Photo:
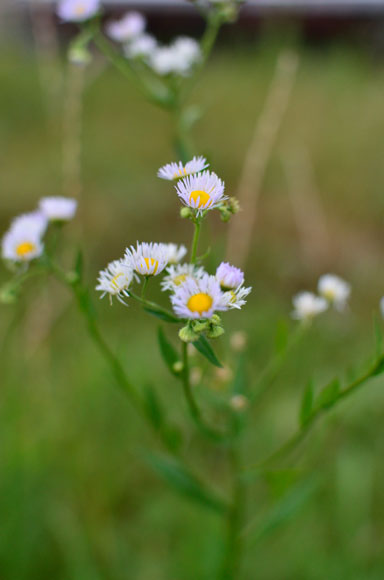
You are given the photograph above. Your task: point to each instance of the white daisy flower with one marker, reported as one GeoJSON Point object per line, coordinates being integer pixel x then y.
{"type": "Point", "coordinates": [175, 253]}
{"type": "Point", "coordinates": [141, 47]}
{"type": "Point", "coordinates": [34, 221]}
{"type": "Point", "coordinates": [178, 274]}
{"type": "Point", "coordinates": [147, 259]}
{"type": "Point", "coordinates": [229, 276]}
{"type": "Point", "coordinates": [307, 305]}
{"type": "Point", "coordinates": [115, 280]}
{"type": "Point", "coordinates": [179, 58]}
{"type": "Point", "coordinates": [201, 192]}
{"type": "Point", "coordinates": [22, 244]}
{"type": "Point", "coordinates": [173, 171]}
{"type": "Point", "coordinates": [59, 209]}
{"type": "Point", "coordinates": [335, 290]}
{"type": "Point", "coordinates": [235, 298]}
{"type": "Point", "coordinates": [129, 27]}
{"type": "Point", "coordinates": [198, 298]}
{"type": "Point", "coordinates": [77, 10]}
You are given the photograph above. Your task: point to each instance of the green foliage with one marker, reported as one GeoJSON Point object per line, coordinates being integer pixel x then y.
{"type": "Point", "coordinates": [328, 395]}
{"type": "Point", "coordinates": [186, 483]}
{"type": "Point", "coordinates": [164, 316]}
{"type": "Point", "coordinates": [168, 352]}
{"type": "Point", "coordinates": [306, 407]}
{"type": "Point", "coordinates": [204, 348]}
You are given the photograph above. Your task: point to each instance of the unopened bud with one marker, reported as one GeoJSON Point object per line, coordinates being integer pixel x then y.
{"type": "Point", "coordinates": [186, 334]}
{"type": "Point", "coordinates": [186, 212]}
{"type": "Point", "coordinates": [215, 332]}
{"type": "Point", "coordinates": [178, 367]}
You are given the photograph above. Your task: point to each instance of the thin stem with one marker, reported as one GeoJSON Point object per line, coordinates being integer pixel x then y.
{"type": "Point", "coordinates": [231, 564]}
{"type": "Point", "coordinates": [195, 241]}
{"type": "Point", "coordinates": [144, 287]}
{"type": "Point", "coordinates": [156, 307]}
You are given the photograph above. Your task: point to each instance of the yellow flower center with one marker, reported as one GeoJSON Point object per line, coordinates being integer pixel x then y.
{"type": "Point", "coordinates": [114, 280]}
{"type": "Point", "coordinates": [329, 295]}
{"type": "Point", "coordinates": [152, 262]}
{"type": "Point", "coordinates": [25, 248]}
{"type": "Point", "coordinates": [200, 303]}
{"type": "Point", "coordinates": [179, 279]}
{"type": "Point", "coordinates": [202, 198]}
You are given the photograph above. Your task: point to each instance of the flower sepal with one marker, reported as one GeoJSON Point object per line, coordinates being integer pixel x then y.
{"type": "Point", "coordinates": [188, 334]}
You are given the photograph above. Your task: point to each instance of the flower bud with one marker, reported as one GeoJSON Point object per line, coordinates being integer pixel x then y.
{"type": "Point", "coordinates": [187, 334]}
{"type": "Point", "coordinates": [178, 367]}
{"type": "Point", "coordinates": [215, 332]}
{"type": "Point", "coordinates": [186, 213]}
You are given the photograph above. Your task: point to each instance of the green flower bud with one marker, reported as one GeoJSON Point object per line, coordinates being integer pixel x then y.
{"type": "Point", "coordinates": [215, 332]}
{"type": "Point", "coordinates": [186, 334]}
{"type": "Point", "coordinates": [200, 325]}
{"type": "Point", "coordinates": [186, 213]}
{"type": "Point", "coordinates": [177, 367]}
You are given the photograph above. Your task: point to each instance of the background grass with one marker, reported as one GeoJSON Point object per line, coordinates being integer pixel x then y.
{"type": "Point", "coordinates": [77, 499]}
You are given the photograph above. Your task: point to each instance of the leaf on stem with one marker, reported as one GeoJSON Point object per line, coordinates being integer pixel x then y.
{"type": "Point", "coordinates": [204, 348]}
{"type": "Point", "coordinates": [169, 354]}
{"type": "Point", "coordinates": [164, 316]}
{"type": "Point", "coordinates": [186, 483]}
{"type": "Point", "coordinates": [328, 395]}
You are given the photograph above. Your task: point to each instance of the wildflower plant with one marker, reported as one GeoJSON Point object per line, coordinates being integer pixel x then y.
{"type": "Point", "coordinates": [195, 300]}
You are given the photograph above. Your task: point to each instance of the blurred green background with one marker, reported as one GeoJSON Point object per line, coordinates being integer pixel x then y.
{"type": "Point", "coordinates": [77, 498]}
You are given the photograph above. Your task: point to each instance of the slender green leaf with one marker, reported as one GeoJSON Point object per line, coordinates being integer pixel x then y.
{"type": "Point", "coordinates": [286, 508]}
{"type": "Point", "coordinates": [204, 348]}
{"type": "Point", "coordinates": [379, 367]}
{"type": "Point", "coordinates": [306, 407]}
{"type": "Point", "coordinates": [168, 353]}
{"type": "Point", "coordinates": [162, 315]}
{"type": "Point", "coordinates": [328, 395]}
{"type": "Point", "coordinates": [186, 483]}
{"type": "Point", "coordinates": [280, 481]}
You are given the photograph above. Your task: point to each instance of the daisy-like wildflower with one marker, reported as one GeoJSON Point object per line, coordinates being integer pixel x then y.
{"type": "Point", "coordinates": [236, 298]}
{"type": "Point", "coordinates": [173, 171]}
{"type": "Point", "coordinates": [177, 275]}
{"type": "Point", "coordinates": [335, 290]}
{"type": "Point", "coordinates": [307, 305]}
{"type": "Point", "coordinates": [115, 280]}
{"type": "Point", "coordinates": [77, 10]}
{"type": "Point", "coordinates": [59, 209]}
{"type": "Point", "coordinates": [198, 298]}
{"type": "Point", "coordinates": [128, 28]}
{"type": "Point", "coordinates": [147, 259]}
{"type": "Point", "coordinates": [179, 58]}
{"type": "Point", "coordinates": [175, 253]}
{"type": "Point", "coordinates": [22, 244]}
{"type": "Point", "coordinates": [141, 47]}
{"type": "Point", "coordinates": [229, 276]}
{"type": "Point", "coordinates": [201, 192]}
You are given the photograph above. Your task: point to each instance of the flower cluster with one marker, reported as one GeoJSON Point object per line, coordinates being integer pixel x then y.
{"type": "Point", "coordinates": [23, 241]}
{"type": "Point", "coordinates": [332, 290]}
{"type": "Point", "coordinates": [195, 295]}
{"type": "Point", "coordinates": [178, 58]}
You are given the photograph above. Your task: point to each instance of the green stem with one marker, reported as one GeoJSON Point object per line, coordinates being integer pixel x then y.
{"type": "Point", "coordinates": [195, 241]}
{"type": "Point", "coordinates": [234, 545]}
{"type": "Point", "coordinates": [153, 306]}
{"type": "Point", "coordinates": [144, 287]}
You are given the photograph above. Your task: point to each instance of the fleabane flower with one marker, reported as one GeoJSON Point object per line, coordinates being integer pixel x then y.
{"type": "Point", "coordinates": [307, 305]}
{"type": "Point", "coordinates": [141, 47]}
{"type": "Point", "coordinates": [129, 27]}
{"type": "Point", "coordinates": [175, 253]}
{"type": "Point", "coordinates": [173, 171]}
{"type": "Point", "coordinates": [115, 280]}
{"type": "Point", "coordinates": [60, 209]}
{"type": "Point", "coordinates": [198, 298]}
{"type": "Point", "coordinates": [236, 298]}
{"type": "Point", "coordinates": [177, 275]}
{"type": "Point", "coordinates": [179, 58]}
{"type": "Point", "coordinates": [22, 244]}
{"type": "Point", "coordinates": [147, 259]}
{"type": "Point", "coordinates": [335, 290]}
{"type": "Point", "coordinates": [77, 10]}
{"type": "Point", "coordinates": [201, 192]}
{"type": "Point", "coordinates": [229, 277]}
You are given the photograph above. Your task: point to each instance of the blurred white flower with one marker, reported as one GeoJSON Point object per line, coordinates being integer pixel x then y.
{"type": "Point", "coordinates": [198, 298]}
{"type": "Point", "coordinates": [129, 27]}
{"type": "Point", "coordinates": [229, 276]}
{"type": "Point", "coordinates": [335, 290]}
{"type": "Point", "coordinates": [115, 280]}
{"type": "Point", "coordinates": [173, 171]}
{"type": "Point", "coordinates": [22, 242]}
{"type": "Point", "coordinates": [178, 58]}
{"type": "Point", "coordinates": [58, 208]}
{"type": "Point", "coordinates": [239, 402]}
{"type": "Point", "coordinates": [147, 259]}
{"type": "Point", "coordinates": [178, 274]}
{"type": "Point", "coordinates": [307, 305]}
{"type": "Point", "coordinates": [77, 10]}
{"type": "Point", "coordinates": [201, 192]}
{"type": "Point", "coordinates": [141, 47]}
{"type": "Point", "coordinates": [175, 253]}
